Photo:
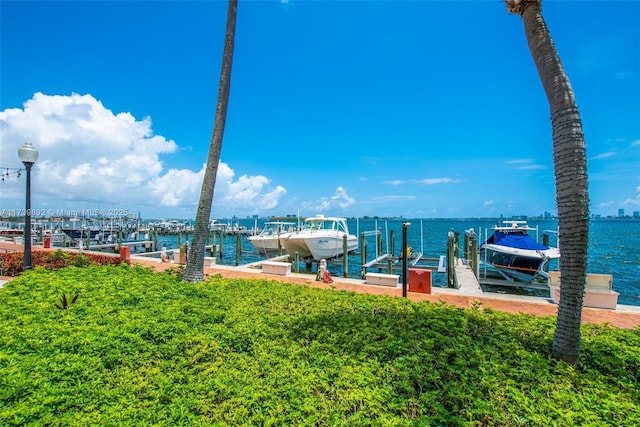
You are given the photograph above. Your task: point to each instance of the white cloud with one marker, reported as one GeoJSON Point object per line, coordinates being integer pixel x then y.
{"type": "Point", "coordinates": [531, 167]}
{"type": "Point", "coordinates": [525, 164]}
{"type": "Point", "coordinates": [633, 201]}
{"type": "Point", "coordinates": [624, 75]}
{"type": "Point", "coordinates": [393, 198]}
{"type": "Point", "coordinates": [395, 182]}
{"type": "Point", "coordinates": [604, 155]}
{"type": "Point", "coordinates": [432, 181]}
{"type": "Point", "coordinates": [340, 200]}
{"type": "Point", "coordinates": [251, 192]}
{"type": "Point", "coordinates": [88, 154]}
{"type": "Point", "coordinates": [606, 204]}
{"type": "Point", "coordinates": [488, 203]}
{"type": "Point", "coordinates": [425, 181]}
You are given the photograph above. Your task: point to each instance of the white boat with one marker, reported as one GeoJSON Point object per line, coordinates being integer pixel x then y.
{"type": "Point", "coordinates": [515, 254]}
{"type": "Point", "coordinates": [320, 238]}
{"type": "Point", "coordinates": [268, 240]}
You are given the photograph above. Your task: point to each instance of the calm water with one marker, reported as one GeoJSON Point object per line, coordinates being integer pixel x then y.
{"type": "Point", "coordinates": [614, 247]}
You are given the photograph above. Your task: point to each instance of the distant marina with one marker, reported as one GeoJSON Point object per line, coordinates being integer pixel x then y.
{"type": "Point", "coordinates": [614, 245]}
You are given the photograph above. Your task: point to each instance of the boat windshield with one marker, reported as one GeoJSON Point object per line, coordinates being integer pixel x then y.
{"type": "Point", "coordinates": [314, 225]}
{"type": "Point", "coordinates": [273, 228]}
{"type": "Point", "coordinates": [324, 225]}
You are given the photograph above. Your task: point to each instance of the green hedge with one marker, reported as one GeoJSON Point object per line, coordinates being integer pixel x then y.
{"type": "Point", "coordinates": [143, 348]}
{"type": "Point", "coordinates": [12, 263]}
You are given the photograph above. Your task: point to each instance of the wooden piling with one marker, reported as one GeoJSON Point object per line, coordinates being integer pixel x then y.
{"type": "Point", "coordinates": [405, 225]}
{"type": "Point", "coordinates": [345, 256]}
{"type": "Point", "coordinates": [473, 243]}
{"type": "Point", "coordinates": [238, 248]}
{"type": "Point", "coordinates": [451, 269]}
{"type": "Point", "coordinates": [363, 255]}
{"type": "Point", "coordinates": [392, 239]}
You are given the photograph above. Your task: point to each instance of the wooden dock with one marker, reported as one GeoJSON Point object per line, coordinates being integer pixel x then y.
{"type": "Point", "coordinates": [418, 261]}
{"type": "Point", "coordinates": [466, 281]}
{"type": "Point", "coordinates": [147, 244]}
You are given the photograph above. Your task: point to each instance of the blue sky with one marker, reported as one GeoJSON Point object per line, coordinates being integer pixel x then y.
{"type": "Point", "coordinates": [415, 109]}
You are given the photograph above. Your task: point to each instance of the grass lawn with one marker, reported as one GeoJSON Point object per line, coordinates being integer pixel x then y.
{"type": "Point", "coordinates": [137, 347]}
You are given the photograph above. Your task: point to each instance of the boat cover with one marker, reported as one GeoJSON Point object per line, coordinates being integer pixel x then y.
{"type": "Point", "coordinates": [518, 241]}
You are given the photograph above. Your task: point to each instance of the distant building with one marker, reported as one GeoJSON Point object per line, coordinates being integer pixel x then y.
{"type": "Point", "coordinates": [620, 212]}
{"type": "Point", "coordinates": [636, 214]}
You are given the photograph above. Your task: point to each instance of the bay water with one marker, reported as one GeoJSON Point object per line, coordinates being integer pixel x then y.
{"type": "Point", "coordinates": [614, 247]}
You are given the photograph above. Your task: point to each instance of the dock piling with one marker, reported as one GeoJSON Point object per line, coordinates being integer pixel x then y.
{"type": "Point", "coordinates": [451, 271]}
{"type": "Point", "coordinates": [474, 254]}
{"type": "Point", "coordinates": [345, 256]}
{"type": "Point", "coordinates": [238, 248]}
{"type": "Point", "coordinates": [363, 255]}
{"type": "Point", "coordinates": [405, 225]}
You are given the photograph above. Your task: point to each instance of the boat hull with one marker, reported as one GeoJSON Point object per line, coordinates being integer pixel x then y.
{"type": "Point", "coordinates": [80, 233]}
{"type": "Point", "coordinates": [327, 247]}
{"type": "Point", "coordinates": [519, 264]}
{"type": "Point", "coordinates": [321, 238]}
{"type": "Point", "coordinates": [268, 241]}
{"type": "Point", "coordinates": [268, 244]}
{"type": "Point", "coordinates": [293, 243]}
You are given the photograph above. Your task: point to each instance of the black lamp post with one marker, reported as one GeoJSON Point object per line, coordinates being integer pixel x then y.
{"type": "Point", "coordinates": [28, 155]}
{"type": "Point", "coordinates": [405, 271]}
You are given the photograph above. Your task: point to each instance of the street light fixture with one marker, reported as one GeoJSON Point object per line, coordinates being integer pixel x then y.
{"type": "Point", "coordinates": [28, 155]}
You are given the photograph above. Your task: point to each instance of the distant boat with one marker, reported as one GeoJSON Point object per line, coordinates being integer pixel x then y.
{"type": "Point", "coordinates": [11, 232]}
{"type": "Point", "coordinates": [170, 227]}
{"type": "Point", "coordinates": [81, 232]}
{"type": "Point", "coordinates": [268, 241]}
{"type": "Point", "coordinates": [320, 238]}
{"type": "Point", "coordinates": [515, 254]}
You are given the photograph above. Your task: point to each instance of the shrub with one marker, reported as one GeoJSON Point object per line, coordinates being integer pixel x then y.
{"type": "Point", "coordinates": [12, 264]}
{"type": "Point", "coordinates": [143, 348]}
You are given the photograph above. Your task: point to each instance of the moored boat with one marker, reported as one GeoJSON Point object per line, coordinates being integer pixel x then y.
{"type": "Point", "coordinates": [81, 232]}
{"type": "Point", "coordinates": [320, 238]}
{"type": "Point", "coordinates": [268, 240]}
{"type": "Point", "coordinates": [515, 255]}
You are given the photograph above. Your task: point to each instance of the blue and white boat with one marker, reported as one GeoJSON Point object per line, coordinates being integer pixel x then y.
{"type": "Point", "coordinates": [515, 255]}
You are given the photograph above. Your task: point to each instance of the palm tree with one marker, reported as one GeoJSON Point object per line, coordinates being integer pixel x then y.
{"type": "Point", "coordinates": [194, 271]}
{"type": "Point", "coordinates": [570, 166]}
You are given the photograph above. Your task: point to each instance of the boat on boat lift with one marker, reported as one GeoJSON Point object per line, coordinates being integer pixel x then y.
{"type": "Point", "coordinates": [320, 238]}
{"type": "Point", "coordinates": [268, 240]}
{"type": "Point", "coordinates": [515, 255]}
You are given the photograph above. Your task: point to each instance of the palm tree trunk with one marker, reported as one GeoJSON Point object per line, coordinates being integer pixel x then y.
{"type": "Point", "coordinates": [570, 166]}
{"type": "Point", "coordinates": [194, 271]}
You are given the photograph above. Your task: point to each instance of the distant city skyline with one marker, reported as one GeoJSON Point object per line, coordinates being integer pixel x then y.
{"type": "Point", "coordinates": [392, 109]}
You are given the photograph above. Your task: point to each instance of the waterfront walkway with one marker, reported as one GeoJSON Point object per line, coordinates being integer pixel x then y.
{"type": "Point", "coordinates": [467, 296]}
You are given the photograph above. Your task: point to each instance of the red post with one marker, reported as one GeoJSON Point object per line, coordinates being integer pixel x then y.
{"type": "Point", "coordinates": [420, 280]}
{"type": "Point", "coordinates": [125, 253]}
